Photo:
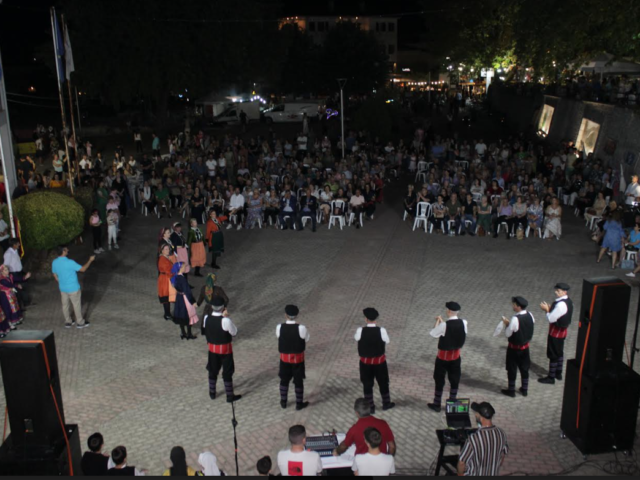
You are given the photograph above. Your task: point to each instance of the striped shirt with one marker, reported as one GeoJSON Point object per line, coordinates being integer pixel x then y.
{"type": "Point", "coordinates": [483, 452]}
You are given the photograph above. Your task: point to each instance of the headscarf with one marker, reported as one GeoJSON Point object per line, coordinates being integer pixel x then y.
{"type": "Point", "coordinates": [210, 282]}
{"type": "Point", "coordinates": [174, 271]}
{"type": "Point", "coordinates": [209, 464]}
{"type": "Point", "coordinates": [179, 462]}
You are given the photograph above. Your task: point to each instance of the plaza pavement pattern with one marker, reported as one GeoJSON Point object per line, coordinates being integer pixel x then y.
{"type": "Point", "coordinates": [130, 377]}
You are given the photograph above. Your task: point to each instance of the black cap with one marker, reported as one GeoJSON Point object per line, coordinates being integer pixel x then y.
{"type": "Point", "coordinates": [453, 306]}
{"type": "Point", "coordinates": [521, 302]}
{"type": "Point", "coordinates": [217, 302]}
{"type": "Point", "coordinates": [291, 310]}
{"type": "Point", "coordinates": [484, 409]}
{"type": "Point", "coordinates": [371, 314]}
{"type": "Point", "coordinates": [562, 286]}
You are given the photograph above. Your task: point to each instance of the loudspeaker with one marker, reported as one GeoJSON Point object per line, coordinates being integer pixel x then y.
{"type": "Point", "coordinates": [603, 315]}
{"type": "Point", "coordinates": [29, 370]}
{"type": "Point", "coordinates": [599, 413]}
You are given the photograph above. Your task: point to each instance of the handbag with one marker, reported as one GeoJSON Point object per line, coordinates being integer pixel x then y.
{"type": "Point", "coordinates": [481, 232]}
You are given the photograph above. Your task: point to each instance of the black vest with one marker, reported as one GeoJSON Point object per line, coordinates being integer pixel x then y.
{"type": "Point", "coordinates": [122, 472]}
{"type": "Point", "coordinates": [525, 330]}
{"type": "Point", "coordinates": [565, 320]}
{"type": "Point", "coordinates": [290, 341]}
{"type": "Point", "coordinates": [214, 332]}
{"type": "Point", "coordinates": [371, 344]}
{"type": "Point", "coordinates": [94, 464]}
{"type": "Point", "coordinates": [455, 336]}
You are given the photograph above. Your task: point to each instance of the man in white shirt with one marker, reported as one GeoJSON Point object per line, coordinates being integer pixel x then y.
{"type": "Point", "coordinates": [481, 148]}
{"type": "Point", "coordinates": [519, 331]}
{"type": "Point", "coordinates": [12, 256]}
{"type": "Point", "coordinates": [292, 343]}
{"type": "Point", "coordinates": [357, 202]}
{"type": "Point", "coordinates": [302, 142]}
{"type": "Point", "coordinates": [211, 166]}
{"type": "Point", "coordinates": [559, 315]}
{"type": "Point", "coordinates": [632, 192]}
{"type": "Point", "coordinates": [236, 207]}
{"type": "Point", "coordinates": [374, 463]}
{"type": "Point", "coordinates": [297, 462]}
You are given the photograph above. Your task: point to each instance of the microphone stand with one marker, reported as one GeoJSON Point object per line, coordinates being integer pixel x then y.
{"type": "Point", "coordinates": [234, 422]}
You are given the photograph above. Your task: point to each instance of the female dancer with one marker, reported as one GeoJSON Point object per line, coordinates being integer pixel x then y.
{"type": "Point", "coordinates": [165, 239]}
{"type": "Point", "coordinates": [215, 237]}
{"type": "Point", "coordinates": [195, 242]}
{"type": "Point", "coordinates": [180, 244]}
{"type": "Point", "coordinates": [184, 312]}
{"type": "Point", "coordinates": [210, 290]}
{"type": "Point", "coordinates": [8, 298]}
{"type": "Point", "coordinates": [166, 293]}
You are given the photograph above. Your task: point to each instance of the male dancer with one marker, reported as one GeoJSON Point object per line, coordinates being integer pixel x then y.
{"type": "Point", "coordinates": [219, 330]}
{"type": "Point", "coordinates": [372, 341]}
{"type": "Point", "coordinates": [452, 334]}
{"type": "Point", "coordinates": [519, 331]}
{"type": "Point", "coordinates": [292, 342]}
{"type": "Point", "coordinates": [559, 316]}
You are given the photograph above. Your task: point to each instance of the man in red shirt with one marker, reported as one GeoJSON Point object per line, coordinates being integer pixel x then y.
{"type": "Point", "coordinates": [355, 435]}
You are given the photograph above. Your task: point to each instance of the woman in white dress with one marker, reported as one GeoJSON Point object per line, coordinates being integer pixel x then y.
{"type": "Point", "coordinates": [552, 223]}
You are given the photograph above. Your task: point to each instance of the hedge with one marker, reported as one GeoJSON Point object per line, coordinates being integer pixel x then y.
{"type": "Point", "coordinates": [83, 195]}
{"type": "Point", "coordinates": [48, 219]}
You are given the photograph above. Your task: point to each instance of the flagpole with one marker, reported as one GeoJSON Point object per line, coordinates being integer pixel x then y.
{"type": "Point", "coordinates": [73, 121]}
{"type": "Point", "coordinates": [78, 107]}
{"type": "Point", "coordinates": [64, 119]}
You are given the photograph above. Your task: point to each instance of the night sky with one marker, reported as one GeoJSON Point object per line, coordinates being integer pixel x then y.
{"type": "Point", "coordinates": [24, 24]}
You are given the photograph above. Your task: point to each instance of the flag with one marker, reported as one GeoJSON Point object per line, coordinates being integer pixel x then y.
{"type": "Point", "coordinates": [58, 44]}
{"type": "Point", "coordinates": [623, 183]}
{"type": "Point", "coordinates": [68, 54]}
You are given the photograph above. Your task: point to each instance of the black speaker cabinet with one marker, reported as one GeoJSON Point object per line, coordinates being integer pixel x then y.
{"type": "Point", "coordinates": [29, 370]}
{"type": "Point", "coordinates": [599, 413]}
{"type": "Point", "coordinates": [53, 461]}
{"type": "Point", "coordinates": [603, 315]}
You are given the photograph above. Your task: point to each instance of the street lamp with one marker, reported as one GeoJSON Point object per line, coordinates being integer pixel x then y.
{"type": "Point", "coordinates": [342, 82]}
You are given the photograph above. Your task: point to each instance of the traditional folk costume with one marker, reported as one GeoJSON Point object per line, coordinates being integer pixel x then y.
{"type": "Point", "coordinates": [292, 343]}
{"type": "Point", "coordinates": [210, 290]}
{"type": "Point", "coordinates": [166, 292]}
{"type": "Point", "coordinates": [452, 335]}
{"type": "Point", "coordinates": [559, 318]}
{"type": "Point", "coordinates": [195, 242]}
{"type": "Point", "coordinates": [8, 297]}
{"type": "Point", "coordinates": [215, 239]}
{"type": "Point", "coordinates": [219, 331]}
{"type": "Point", "coordinates": [519, 332]}
{"type": "Point", "coordinates": [184, 313]}
{"type": "Point", "coordinates": [180, 244]}
{"type": "Point", "coordinates": [372, 341]}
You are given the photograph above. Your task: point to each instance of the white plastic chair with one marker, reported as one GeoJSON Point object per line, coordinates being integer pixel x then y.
{"type": "Point", "coordinates": [339, 204]}
{"type": "Point", "coordinates": [422, 216]}
{"type": "Point", "coordinates": [352, 217]}
{"type": "Point", "coordinates": [453, 222]}
{"type": "Point", "coordinates": [506, 226]}
{"type": "Point", "coordinates": [528, 231]}
{"type": "Point", "coordinates": [594, 222]}
{"type": "Point", "coordinates": [463, 163]}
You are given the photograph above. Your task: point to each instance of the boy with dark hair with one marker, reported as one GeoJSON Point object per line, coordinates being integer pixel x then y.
{"type": "Point", "coordinates": [94, 462]}
{"type": "Point", "coordinates": [297, 461]}
{"type": "Point", "coordinates": [264, 467]}
{"type": "Point", "coordinates": [373, 463]}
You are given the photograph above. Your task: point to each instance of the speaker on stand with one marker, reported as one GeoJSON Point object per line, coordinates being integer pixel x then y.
{"type": "Point", "coordinates": [40, 442]}
{"type": "Point", "coordinates": [601, 395]}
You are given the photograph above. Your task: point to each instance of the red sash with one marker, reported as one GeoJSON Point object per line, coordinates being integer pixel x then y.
{"type": "Point", "coordinates": [292, 358]}
{"type": "Point", "coordinates": [518, 347]}
{"type": "Point", "coordinates": [373, 361]}
{"type": "Point", "coordinates": [221, 349]}
{"type": "Point", "coordinates": [449, 355]}
{"type": "Point", "coordinates": [557, 332]}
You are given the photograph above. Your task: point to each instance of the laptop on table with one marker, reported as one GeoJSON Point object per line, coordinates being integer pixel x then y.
{"type": "Point", "coordinates": [457, 412]}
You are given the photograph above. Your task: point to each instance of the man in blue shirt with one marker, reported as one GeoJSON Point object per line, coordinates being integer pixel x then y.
{"type": "Point", "coordinates": [155, 145]}
{"type": "Point", "coordinates": [65, 272]}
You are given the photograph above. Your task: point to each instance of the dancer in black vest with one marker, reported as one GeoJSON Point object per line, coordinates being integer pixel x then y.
{"type": "Point", "coordinates": [372, 341]}
{"type": "Point", "coordinates": [452, 334]}
{"type": "Point", "coordinates": [559, 316]}
{"type": "Point", "coordinates": [292, 342]}
{"type": "Point", "coordinates": [219, 331]}
{"type": "Point", "coordinates": [519, 331]}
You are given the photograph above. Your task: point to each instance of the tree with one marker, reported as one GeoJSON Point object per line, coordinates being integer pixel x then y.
{"type": "Point", "coordinates": [301, 67]}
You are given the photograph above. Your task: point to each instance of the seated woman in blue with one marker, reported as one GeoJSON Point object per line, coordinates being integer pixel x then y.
{"type": "Point", "coordinates": [613, 237]}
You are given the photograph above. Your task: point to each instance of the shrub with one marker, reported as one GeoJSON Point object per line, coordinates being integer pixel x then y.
{"type": "Point", "coordinates": [83, 195]}
{"type": "Point", "coordinates": [48, 219]}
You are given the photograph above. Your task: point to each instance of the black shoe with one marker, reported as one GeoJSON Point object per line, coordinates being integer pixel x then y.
{"type": "Point", "coordinates": [198, 275]}
{"type": "Point", "coordinates": [168, 317]}
{"type": "Point", "coordinates": [212, 395]}
{"type": "Point", "coordinates": [234, 398]}
{"type": "Point", "coordinates": [358, 226]}
{"type": "Point", "coordinates": [524, 392]}
{"type": "Point", "coordinates": [547, 380]}
{"type": "Point", "coordinates": [472, 234]}
{"type": "Point", "coordinates": [217, 267]}
{"type": "Point", "coordinates": [191, 287]}
{"type": "Point", "coordinates": [182, 337]}
{"type": "Point", "coordinates": [558, 376]}
{"type": "Point", "coordinates": [509, 393]}
{"type": "Point", "coordinates": [191, 337]}
{"type": "Point", "coordinates": [434, 407]}
{"type": "Point", "coordinates": [283, 403]}
{"type": "Point", "coordinates": [462, 234]}
{"type": "Point", "coordinates": [388, 406]}
{"type": "Point", "coordinates": [313, 230]}
{"type": "Point", "coordinates": [495, 235]}
{"type": "Point", "coordinates": [301, 406]}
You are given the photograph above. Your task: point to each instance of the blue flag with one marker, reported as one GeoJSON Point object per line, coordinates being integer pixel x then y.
{"type": "Point", "coordinates": [59, 47]}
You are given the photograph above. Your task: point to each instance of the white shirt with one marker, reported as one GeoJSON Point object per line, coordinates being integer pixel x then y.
{"type": "Point", "coordinates": [302, 142]}
{"type": "Point", "coordinates": [236, 201]}
{"type": "Point", "coordinates": [211, 166]}
{"type": "Point", "coordinates": [441, 330]}
{"type": "Point", "coordinates": [634, 190]}
{"type": "Point", "coordinates": [383, 333]}
{"type": "Point", "coordinates": [110, 465]}
{"type": "Point", "coordinates": [304, 333]}
{"type": "Point", "coordinates": [227, 324]}
{"type": "Point", "coordinates": [514, 324]}
{"type": "Point", "coordinates": [368, 465]}
{"type": "Point", "coordinates": [12, 260]}
{"type": "Point", "coordinates": [558, 311]}
{"type": "Point", "coordinates": [481, 148]}
{"type": "Point", "coordinates": [4, 227]}
{"type": "Point", "coordinates": [307, 464]}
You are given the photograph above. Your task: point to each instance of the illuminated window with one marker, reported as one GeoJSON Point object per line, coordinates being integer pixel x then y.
{"type": "Point", "coordinates": [588, 136]}
{"type": "Point", "coordinates": [545, 119]}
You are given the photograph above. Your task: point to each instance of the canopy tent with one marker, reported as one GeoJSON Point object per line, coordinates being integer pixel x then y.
{"type": "Point", "coordinates": [604, 64]}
